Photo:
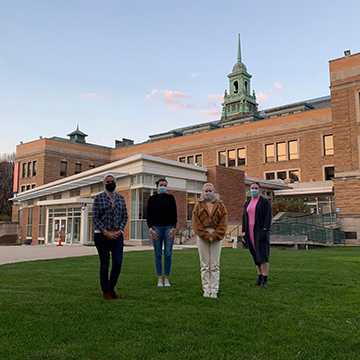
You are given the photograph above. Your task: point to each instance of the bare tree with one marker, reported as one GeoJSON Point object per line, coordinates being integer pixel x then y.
{"type": "Point", "coordinates": [6, 184]}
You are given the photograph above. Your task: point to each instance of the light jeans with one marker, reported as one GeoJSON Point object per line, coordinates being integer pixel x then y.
{"type": "Point", "coordinates": [209, 253]}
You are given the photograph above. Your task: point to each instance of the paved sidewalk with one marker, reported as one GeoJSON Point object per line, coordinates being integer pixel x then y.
{"type": "Point", "coordinates": [14, 254]}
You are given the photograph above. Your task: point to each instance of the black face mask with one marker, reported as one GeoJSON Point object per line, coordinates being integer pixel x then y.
{"type": "Point", "coordinates": [110, 187]}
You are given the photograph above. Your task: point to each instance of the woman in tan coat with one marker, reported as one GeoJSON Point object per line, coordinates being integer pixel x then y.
{"type": "Point", "coordinates": [210, 224]}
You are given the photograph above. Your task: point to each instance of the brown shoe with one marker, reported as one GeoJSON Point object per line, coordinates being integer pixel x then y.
{"type": "Point", "coordinates": [107, 295]}
{"type": "Point", "coordinates": [113, 294]}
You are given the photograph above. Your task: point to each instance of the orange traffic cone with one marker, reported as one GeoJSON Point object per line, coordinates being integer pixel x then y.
{"type": "Point", "coordinates": [59, 244]}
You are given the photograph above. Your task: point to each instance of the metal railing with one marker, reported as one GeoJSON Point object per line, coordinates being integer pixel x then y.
{"type": "Point", "coordinates": [313, 232]}
{"type": "Point", "coordinates": [326, 220]}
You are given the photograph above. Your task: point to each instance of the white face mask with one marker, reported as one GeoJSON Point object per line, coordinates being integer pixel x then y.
{"type": "Point", "coordinates": [209, 196]}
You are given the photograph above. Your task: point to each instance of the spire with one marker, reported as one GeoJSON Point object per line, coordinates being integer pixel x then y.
{"type": "Point", "coordinates": [239, 49]}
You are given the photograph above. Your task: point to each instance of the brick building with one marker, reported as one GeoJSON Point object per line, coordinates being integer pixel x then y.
{"type": "Point", "coordinates": [309, 149]}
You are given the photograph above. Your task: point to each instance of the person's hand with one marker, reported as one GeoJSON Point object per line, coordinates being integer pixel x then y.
{"type": "Point", "coordinates": [109, 234]}
{"type": "Point", "coordinates": [264, 229]}
{"type": "Point", "coordinates": [211, 239]}
{"type": "Point", "coordinates": [244, 233]}
{"type": "Point", "coordinates": [153, 235]}
{"type": "Point", "coordinates": [172, 234]}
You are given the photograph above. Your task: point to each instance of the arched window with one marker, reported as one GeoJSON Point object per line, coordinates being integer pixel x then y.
{"type": "Point", "coordinates": [236, 87]}
{"type": "Point", "coordinates": [246, 87]}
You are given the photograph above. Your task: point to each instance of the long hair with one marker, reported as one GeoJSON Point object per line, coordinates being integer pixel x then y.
{"type": "Point", "coordinates": [216, 194]}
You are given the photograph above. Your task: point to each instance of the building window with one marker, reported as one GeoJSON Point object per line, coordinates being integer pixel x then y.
{"type": "Point", "coordinates": [269, 153]}
{"type": "Point", "coordinates": [236, 87]}
{"type": "Point", "coordinates": [23, 170]}
{"type": "Point", "coordinates": [77, 168]}
{"type": "Point", "coordinates": [22, 188]}
{"type": "Point", "coordinates": [357, 105]}
{"type": "Point", "coordinates": [74, 192]}
{"type": "Point", "coordinates": [198, 159]}
{"type": "Point", "coordinates": [281, 175]}
{"type": "Point", "coordinates": [29, 169]}
{"type": "Point", "coordinates": [28, 187]}
{"type": "Point", "coordinates": [91, 166]}
{"type": "Point", "coordinates": [57, 196]}
{"type": "Point", "coordinates": [328, 145]}
{"type": "Point", "coordinates": [29, 223]}
{"type": "Point", "coordinates": [294, 175]}
{"type": "Point", "coordinates": [231, 158]}
{"type": "Point", "coordinates": [280, 151]}
{"type": "Point", "coordinates": [182, 159]}
{"type": "Point", "coordinates": [33, 185]}
{"type": "Point", "coordinates": [293, 149]}
{"type": "Point", "coordinates": [190, 160]}
{"type": "Point", "coordinates": [270, 176]}
{"type": "Point", "coordinates": [63, 168]}
{"type": "Point", "coordinates": [34, 168]}
{"type": "Point", "coordinates": [241, 153]}
{"type": "Point", "coordinates": [222, 158]}
{"type": "Point", "coordinates": [191, 201]}
{"type": "Point", "coordinates": [329, 172]}
{"type": "Point", "coordinates": [41, 222]}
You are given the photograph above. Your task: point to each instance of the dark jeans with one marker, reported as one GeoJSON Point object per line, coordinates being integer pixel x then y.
{"type": "Point", "coordinates": [104, 247]}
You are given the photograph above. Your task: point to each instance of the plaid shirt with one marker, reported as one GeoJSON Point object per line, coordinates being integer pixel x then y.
{"type": "Point", "coordinates": [106, 217]}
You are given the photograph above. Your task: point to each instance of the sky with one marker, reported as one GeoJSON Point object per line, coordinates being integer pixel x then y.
{"type": "Point", "coordinates": [130, 69]}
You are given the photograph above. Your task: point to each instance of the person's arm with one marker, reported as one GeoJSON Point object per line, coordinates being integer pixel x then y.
{"type": "Point", "coordinates": [221, 228]}
{"type": "Point", "coordinates": [198, 226]}
{"type": "Point", "coordinates": [149, 218]}
{"type": "Point", "coordinates": [99, 225]}
{"type": "Point", "coordinates": [174, 211]}
{"type": "Point", "coordinates": [267, 217]}
{"type": "Point", "coordinates": [124, 214]}
{"type": "Point", "coordinates": [244, 225]}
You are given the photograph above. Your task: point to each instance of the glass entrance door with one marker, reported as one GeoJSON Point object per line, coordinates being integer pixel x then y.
{"type": "Point", "coordinates": [59, 230]}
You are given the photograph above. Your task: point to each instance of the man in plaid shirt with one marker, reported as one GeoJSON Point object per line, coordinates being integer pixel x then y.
{"type": "Point", "coordinates": [110, 217]}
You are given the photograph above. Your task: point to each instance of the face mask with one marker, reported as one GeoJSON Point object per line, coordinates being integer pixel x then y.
{"type": "Point", "coordinates": [110, 187]}
{"type": "Point", "coordinates": [162, 189]}
{"type": "Point", "coordinates": [209, 196]}
{"type": "Point", "coordinates": [254, 192]}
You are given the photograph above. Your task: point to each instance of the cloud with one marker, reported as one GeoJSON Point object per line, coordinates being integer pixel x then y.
{"type": "Point", "coordinates": [279, 86]}
{"type": "Point", "coordinates": [210, 113]}
{"type": "Point", "coordinates": [93, 96]}
{"type": "Point", "coordinates": [173, 99]}
{"type": "Point", "coordinates": [261, 96]}
{"type": "Point", "coordinates": [194, 74]}
{"type": "Point", "coordinates": [153, 92]}
{"type": "Point", "coordinates": [90, 96]}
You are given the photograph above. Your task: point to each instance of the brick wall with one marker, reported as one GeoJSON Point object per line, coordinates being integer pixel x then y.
{"type": "Point", "coordinates": [230, 184]}
{"type": "Point", "coordinates": [181, 207]}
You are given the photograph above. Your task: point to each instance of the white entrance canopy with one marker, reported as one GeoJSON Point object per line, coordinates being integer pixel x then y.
{"type": "Point", "coordinates": [55, 187]}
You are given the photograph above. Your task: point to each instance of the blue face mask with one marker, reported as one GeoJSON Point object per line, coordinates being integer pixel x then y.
{"type": "Point", "coordinates": [254, 192]}
{"type": "Point", "coordinates": [162, 189]}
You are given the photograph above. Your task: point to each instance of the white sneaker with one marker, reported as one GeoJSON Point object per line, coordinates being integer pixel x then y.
{"type": "Point", "coordinates": [213, 295]}
{"type": "Point", "coordinates": [206, 294]}
{"type": "Point", "coordinates": [167, 283]}
{"type": "Point", "coordinates": [160, 283]}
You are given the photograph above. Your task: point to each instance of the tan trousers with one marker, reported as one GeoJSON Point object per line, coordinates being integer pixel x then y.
{"type": "Point", "coordinates": [209, 253]}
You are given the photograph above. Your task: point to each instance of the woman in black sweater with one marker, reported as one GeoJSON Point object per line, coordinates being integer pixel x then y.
{"type": "Point", "coordinates": [161, 219]}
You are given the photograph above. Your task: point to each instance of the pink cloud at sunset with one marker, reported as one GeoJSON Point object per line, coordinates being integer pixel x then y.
{"type": "Point", "coordinates": [261, 96]}
{"type": "Point", "coordinates": [173, 99]}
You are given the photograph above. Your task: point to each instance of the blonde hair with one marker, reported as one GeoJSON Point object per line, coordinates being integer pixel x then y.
{"type": "Point", "coordinates": [216, 194]}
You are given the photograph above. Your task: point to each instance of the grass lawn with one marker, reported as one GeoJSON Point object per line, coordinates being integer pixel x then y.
{"type": "Point", "coordinates": [54, 309]}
